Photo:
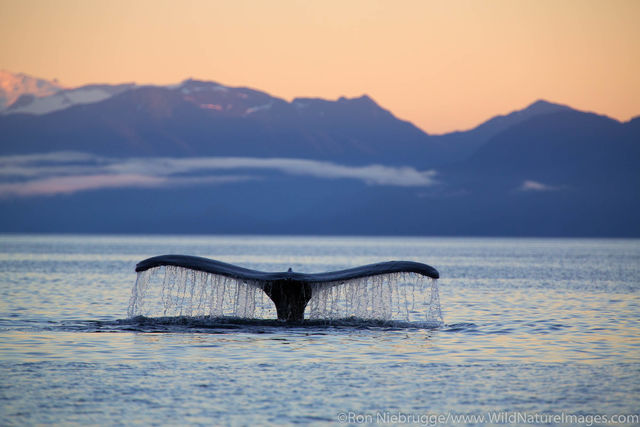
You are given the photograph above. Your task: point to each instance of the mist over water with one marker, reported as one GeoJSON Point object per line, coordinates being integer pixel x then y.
{"type": "Point", "coordinates": [537, 325]}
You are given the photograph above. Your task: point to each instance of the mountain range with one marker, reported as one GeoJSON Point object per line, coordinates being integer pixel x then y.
{"type": "Point", "coordinates": [202, 157]}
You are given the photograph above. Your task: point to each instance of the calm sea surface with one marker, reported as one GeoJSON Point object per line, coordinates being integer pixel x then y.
{"type": "Point", "coordinates": [534, 327]}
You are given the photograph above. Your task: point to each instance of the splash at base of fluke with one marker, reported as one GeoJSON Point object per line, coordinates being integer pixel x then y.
{"type": "Point", "coordinates": [179, 285]}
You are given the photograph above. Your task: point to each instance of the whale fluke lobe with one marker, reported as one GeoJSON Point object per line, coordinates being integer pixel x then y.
{"type": "Point", "coordinates": [201, 285]}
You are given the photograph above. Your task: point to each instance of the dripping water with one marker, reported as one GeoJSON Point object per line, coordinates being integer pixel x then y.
{"type": "Point", "coordinates": [176, 291]}
{"type": "Point", "coordinates": [408, 297]}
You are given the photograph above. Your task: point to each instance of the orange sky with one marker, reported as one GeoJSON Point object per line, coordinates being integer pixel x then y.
{"type": "Point", "coordinates": [443, 65]}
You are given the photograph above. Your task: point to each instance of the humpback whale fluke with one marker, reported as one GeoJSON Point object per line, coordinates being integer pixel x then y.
{"type": "Point", "coordinates": [290, 291]}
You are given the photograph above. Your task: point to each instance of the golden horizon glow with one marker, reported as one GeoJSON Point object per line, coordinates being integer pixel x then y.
{"type": "Point", "coordinates": [445, 65]}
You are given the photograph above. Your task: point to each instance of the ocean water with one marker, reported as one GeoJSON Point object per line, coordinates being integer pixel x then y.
{"type": "Point", "coordinates": [535, 331]}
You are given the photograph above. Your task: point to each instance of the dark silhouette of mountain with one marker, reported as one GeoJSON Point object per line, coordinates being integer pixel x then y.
{"type": "Point", "coordinates": [546, 170]}
{"type": "Point", "coordinates": [568, 148]}
{"type": "Point", "coordinates": [459, 145]}
{"type": "Point", "coordinates": [561, 173]}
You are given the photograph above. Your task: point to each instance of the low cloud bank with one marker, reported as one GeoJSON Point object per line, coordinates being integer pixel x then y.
{"type": "Point", "coordinates": [72, 184]}
{"type": "Point", "coordinates": [530, 185]}
{"type": "Point", "coordinates": [70, 172]}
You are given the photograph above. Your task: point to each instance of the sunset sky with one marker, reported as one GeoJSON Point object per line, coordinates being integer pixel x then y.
{"type": "Point", "coordinates": [444, 65]}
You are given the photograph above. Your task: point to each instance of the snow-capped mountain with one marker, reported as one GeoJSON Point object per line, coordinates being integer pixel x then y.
{"type": "Point", "coordinates": [15, 85]}
{"type": "Point", "coordinates": [65, 98]}
{"type": "Point", "coordinates": [21, 93]}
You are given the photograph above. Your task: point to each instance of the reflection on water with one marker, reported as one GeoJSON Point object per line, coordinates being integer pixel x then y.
{"type": "Point", "coordinates": [536, 325]}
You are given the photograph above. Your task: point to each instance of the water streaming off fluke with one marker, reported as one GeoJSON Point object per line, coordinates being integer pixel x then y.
{"type": "Point", "coordinates": [177, 291]}
{"type": "Point", "coordinates": [393, 296]}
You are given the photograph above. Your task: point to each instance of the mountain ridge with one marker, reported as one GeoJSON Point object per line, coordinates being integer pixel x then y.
{"type": "Point", "coordinates": [207, 119]}
{"type": "Point", "coordinates": [202, 157]}
{"type": "Point", "coordinates": [538, 106]}
{"type": "Point", "coordinates": [327, 128]}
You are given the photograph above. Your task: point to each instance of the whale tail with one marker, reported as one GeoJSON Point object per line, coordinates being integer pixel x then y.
{"type": "Point", "coordinates": [290, 291]}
